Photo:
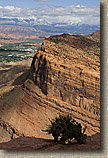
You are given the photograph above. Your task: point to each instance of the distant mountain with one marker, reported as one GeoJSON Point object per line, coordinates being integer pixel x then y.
{"type": "Point", "coordinates": [16, 29]}
{"type": "Point", "coordinates": [54, 28]}
{"type": "Point", "coordinates": [72, 29]}
{"type": "Point", "coordinates": [54, 19]}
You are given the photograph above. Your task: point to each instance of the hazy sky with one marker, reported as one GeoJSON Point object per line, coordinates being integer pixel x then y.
{"type": "Point", "coordinates": [37, 3]}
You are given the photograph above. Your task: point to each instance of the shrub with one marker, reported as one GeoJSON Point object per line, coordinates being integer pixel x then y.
{"type": "Point", "coordinates": [66, 128]}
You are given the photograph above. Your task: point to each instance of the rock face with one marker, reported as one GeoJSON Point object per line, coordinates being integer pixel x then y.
{"type": "Point", "coordinates": [64, 79]}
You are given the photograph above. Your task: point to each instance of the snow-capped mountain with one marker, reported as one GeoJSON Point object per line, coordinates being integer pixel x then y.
{"type": "Point", "coordinates": [53, 19]}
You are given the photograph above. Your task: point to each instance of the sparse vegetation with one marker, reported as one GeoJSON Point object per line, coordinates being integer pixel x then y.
{"type": "Point", "coordinates": [19, 51]}
{"type": "Point", "coordinates": [64, 129]}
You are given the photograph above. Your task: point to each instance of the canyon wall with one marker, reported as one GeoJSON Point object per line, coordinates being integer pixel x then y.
{"type": "Point", "coordinates": [64, 79]}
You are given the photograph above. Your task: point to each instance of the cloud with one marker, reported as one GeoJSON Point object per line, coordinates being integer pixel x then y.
{"type": "Point", "coordinates": [54, 15]}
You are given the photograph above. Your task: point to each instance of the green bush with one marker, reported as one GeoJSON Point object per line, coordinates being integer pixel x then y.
{"type": "Point", "coordinates": [66, 128]}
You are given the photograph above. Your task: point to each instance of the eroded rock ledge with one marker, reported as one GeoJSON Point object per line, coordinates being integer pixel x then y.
{"type": "Point", "coordinates": [67, 68]}
{"type": "Point", "coordinates": [64, 79]}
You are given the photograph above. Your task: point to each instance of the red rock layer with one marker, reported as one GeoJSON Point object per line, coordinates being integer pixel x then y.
{"type": "Point", "coordinates": [64, 79]}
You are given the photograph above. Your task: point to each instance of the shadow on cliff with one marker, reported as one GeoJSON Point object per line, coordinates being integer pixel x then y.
{"type": "Point", "coordinates": [22, 78]}
{"type": "Point", "coordinates": [31, 143]}
{"type": "Point", "coordinates": [26, 143]}
{"type": "Point", "coordinates": [7, 75]}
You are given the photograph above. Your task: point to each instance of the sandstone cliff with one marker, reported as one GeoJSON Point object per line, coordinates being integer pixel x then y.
{"type": "Point", "coordinates": [64, 79]}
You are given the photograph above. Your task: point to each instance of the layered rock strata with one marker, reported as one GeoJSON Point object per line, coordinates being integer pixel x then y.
{"type": "Point", "coordinates": [64, 79]}
{"type": "Point", "coordinates": [67, 68]}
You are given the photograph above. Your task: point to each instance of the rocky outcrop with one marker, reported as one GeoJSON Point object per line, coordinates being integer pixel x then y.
{"type": "Point", "coordinates": [64, 79]}
{"type": "Point", "coordinates": [67, 68]}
